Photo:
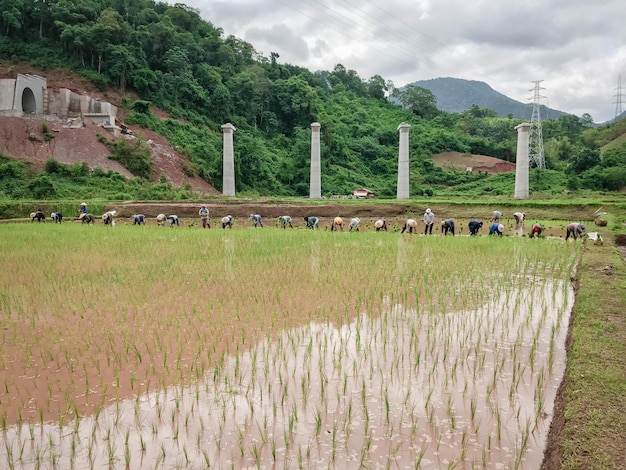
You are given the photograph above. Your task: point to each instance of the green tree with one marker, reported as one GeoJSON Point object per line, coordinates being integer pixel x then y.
{"type": "Point", "coordinates": [11, 15]}
{"type": "Point", "coordinates": [419, 100]}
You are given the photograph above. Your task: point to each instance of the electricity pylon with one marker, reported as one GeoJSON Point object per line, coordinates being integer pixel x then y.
{"type": "Point", "coordinates": [618, 98]}
{"type": "Point", "coordinates": [535, 141]}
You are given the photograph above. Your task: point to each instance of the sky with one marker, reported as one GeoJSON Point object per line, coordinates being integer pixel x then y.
{"type": "Point", "coordinates": [577, 47]}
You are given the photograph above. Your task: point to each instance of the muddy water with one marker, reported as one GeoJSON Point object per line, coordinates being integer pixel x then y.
{"type": "Point", "coordinates": [463, 389]}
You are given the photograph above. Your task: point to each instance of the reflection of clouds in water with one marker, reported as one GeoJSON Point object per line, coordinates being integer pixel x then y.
{"type": "Point", "coordinates": [397, 384]}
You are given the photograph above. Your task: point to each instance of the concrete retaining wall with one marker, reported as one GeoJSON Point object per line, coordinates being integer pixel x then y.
{"type": "Point", "coordinates": [28, 94]}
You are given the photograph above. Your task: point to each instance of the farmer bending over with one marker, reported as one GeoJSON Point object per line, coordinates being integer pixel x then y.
{"type": "Point", "coordinates": [312, 222]}
{"type": "Point", "coordinates": [283, 221]}
{"type": "Point", "coordinates": [89, 219]}
{"type": "Point", "coordinates": [39, 216]}
{"type": "Point", "coordinates": [107, 218]}
{"type": "Point", "coordinates": [173, 220]}
{"type": "Point", "coordinates": [139, 219]}
{"type": "Point", "coordinates": [354, 224]}
{"type": "Point", "coordinates": [337, 224]}
{"type": "Point", "coordinates": [537, 230]}
{"type": "Point", "coordinates": [496, 229]}
{"type": "Point", "coordinates": [410, 224]}
{"type": "Point", "coordinates": [227, 222]}
{"type": "Point", "coordinates": [256, 220]}
{"type": "Point", "coordinates": [474, 226]}
{"type": "Point", "coordinates": [575, 230]}
{"type": "Point", "coordinates": [380, 224]}
{"type": "Point", "coordinates": [447, 226]}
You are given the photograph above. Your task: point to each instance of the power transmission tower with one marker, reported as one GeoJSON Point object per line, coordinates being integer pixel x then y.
{"type": "Point", "coordinates": [535, 142]}
{"type": "Point", "coordinates": [618, 98]}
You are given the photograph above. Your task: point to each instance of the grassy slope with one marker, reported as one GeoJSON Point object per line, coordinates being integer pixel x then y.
{"type": "Point", "coordinates": [590, 427]}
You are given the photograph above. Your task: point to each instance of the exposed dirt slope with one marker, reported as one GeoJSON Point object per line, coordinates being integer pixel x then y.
{"type": "Point", "coordinates": [82, 145]}
{"type": "Point", "coordinates": [461, 161]}
{"type": "Point", "coordinates": [22, 138]}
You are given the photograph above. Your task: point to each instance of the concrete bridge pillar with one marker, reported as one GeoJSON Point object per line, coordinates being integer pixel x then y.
{"type": "Point", "coordinates": [228, 172]}
{"type": "Point", "coordinates": [403, 162]}
{"type": "Point", "coordinates": [316, 165]}
{"type": "Point", "coordinates": [522, 161]}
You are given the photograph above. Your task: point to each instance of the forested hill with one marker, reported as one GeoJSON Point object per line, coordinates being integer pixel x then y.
{"type": "Point", "coordinates": [456, 95]}
{"type": "Point", "coordinates": [170, 57]}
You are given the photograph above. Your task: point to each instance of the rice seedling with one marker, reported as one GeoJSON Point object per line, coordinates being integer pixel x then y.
{"type": "Point", "coordinates": [270, 366]}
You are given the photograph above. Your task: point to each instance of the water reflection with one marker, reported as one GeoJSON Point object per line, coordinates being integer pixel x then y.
{"type": "Point", "coordinates": [470, 388]}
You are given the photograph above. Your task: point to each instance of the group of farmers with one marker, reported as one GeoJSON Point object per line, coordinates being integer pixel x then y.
{"type": "Point", "coordinates": [574, 230]}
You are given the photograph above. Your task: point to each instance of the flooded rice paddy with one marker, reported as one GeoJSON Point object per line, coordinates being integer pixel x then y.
{"type": "Point", "coordinates": [439, 371]}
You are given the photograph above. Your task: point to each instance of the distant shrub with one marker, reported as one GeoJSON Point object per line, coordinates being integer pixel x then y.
{"type": "Point", "coordinates": [99, 80]}
{"type": "Point", "coordinates": [42, 188]}
{"type": "Point", "coordinates": [53, 166]}
{"type": "Point", "coordinates": [190, 169]}
{"type": "Point", "coordinates": [142, 106]}
{"type": "Point", "coordinates": [99, 172]}
{"type": "Point", "coordinates": [134, 155]}
{"type": "Point", "coordinates": [126, 102]}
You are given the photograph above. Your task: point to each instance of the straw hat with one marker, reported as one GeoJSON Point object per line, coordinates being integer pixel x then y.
{"type": "Point", "coordinates": [83, 203]}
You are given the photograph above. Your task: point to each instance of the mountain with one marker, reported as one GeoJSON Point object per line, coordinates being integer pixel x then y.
{"type": "Point", "coordinates": [456, 95]}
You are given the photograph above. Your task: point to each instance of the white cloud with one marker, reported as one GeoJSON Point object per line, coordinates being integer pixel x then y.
{"type": "Point", "coordinates": [577, 47]}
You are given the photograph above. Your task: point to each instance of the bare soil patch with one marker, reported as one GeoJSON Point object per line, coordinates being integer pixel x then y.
{"type": "Point", "coordinates": [462, 161]}
{"type": "Point", "coordinates": [23, 139]}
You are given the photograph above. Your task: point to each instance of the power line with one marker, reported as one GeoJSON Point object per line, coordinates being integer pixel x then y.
{"type": "Point", "coordinates": [401, 50]}
{"type": "Point", "coordinates": [618, 98]}
{"type": "Point", "coordinates": [535, 143]}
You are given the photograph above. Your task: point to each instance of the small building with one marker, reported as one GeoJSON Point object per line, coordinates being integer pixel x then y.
{"type": "Point", "coordinates": [359, 193]}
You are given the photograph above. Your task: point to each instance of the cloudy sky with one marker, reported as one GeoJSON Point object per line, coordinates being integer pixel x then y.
{"type": "Point", "coordinates": [577, 47]}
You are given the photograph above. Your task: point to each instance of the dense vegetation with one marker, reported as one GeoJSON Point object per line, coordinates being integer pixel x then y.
{"type": "Point", "coordinates": [20, 181]}
{"type": "Point", "coordinates": [179, 62]}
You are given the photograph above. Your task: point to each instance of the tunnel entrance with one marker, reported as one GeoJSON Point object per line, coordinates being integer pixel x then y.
{"type": "Point", "coordinates": [29, 105]}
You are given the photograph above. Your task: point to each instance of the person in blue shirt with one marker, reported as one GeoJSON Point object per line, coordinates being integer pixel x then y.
{"type": "Point", "coordinates": [82, 212]}
{"type": "Point", "coordinates": [474, 226]}
{"type": "Point", "coordinates": [139, 219]}
{"type": "Point", "coordinates": [447, 226]}
{"type": "Point", "coordinates": [496, 229]}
